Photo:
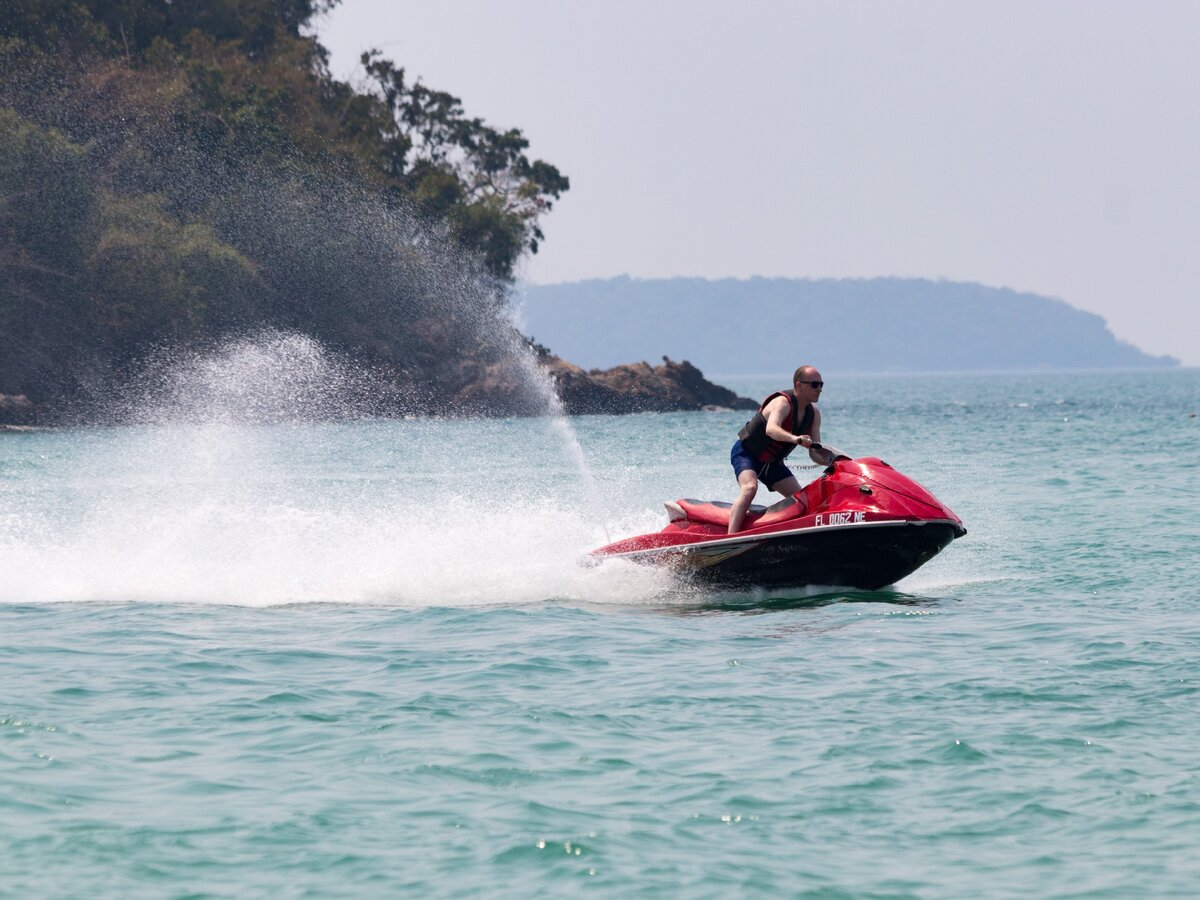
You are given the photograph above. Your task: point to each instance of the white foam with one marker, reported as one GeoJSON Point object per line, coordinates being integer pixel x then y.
{"type": "Point", "coordinates": [269, 539]}
{"type": "Point", "coordinates": [216, 501]}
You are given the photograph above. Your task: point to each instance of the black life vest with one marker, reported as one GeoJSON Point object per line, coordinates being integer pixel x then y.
{"type": "Point", "coordinates": [754, 433]}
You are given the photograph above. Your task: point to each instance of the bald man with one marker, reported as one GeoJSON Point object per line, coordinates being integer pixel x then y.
{"type": "Point", "coordinates": [785, 420]}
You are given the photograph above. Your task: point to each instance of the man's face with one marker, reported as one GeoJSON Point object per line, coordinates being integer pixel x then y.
{"type": "Point", "coordinates": [805, 389]}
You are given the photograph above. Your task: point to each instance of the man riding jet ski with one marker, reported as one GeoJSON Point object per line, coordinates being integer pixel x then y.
{"type": "Point", "coordinates": [861, 524]}
{"type": "Point", "coordinates": [784, 421]}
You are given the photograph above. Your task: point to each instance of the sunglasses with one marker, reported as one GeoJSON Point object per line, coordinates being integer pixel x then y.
{"type": "Point", "coordinates": [817, 384]}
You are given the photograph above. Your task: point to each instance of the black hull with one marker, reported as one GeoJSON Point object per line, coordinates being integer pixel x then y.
{"type": "Point", "coordinates": [863, 557]}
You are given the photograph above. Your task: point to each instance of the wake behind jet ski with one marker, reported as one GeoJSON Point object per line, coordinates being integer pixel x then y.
{"type": "Point", "coordinates": [861, 524]}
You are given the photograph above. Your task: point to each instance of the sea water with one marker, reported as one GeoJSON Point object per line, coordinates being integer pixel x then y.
{"type": "Point", "coordinates": [293, 660]}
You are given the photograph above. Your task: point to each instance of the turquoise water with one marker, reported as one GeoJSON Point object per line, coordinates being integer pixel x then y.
{"type": "Point", "coordinates": [325, 660]}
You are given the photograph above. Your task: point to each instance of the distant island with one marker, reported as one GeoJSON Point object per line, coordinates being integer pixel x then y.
{"type": "Point", "coordinates": [769, 325]}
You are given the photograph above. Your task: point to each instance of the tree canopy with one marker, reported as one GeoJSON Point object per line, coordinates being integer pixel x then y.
{"type": "Point", "coordinates": [253, 75]}
{"type": "Point", "coordinates": [170, 170]}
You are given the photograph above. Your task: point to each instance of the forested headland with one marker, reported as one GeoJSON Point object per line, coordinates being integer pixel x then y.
{"type": "Point", "coordinates": [173, 174]}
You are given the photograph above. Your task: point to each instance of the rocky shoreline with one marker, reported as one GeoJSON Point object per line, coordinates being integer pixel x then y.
{"type": "Point", "coordinates": [633, 388]}
{"type": "Point", "coordinates": [640, 387]}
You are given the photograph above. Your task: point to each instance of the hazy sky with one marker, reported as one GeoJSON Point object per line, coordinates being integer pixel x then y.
{"type": "Point", "coordinates": [1051, 147]}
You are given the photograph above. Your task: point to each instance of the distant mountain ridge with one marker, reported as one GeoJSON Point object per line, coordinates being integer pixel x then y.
{"type": "Point", "coordinates": [760, 325]}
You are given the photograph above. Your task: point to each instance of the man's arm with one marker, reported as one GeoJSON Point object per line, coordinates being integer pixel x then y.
{"type": "Point", "coordinates": [820, 459]}
{"type": "Point", "coordinates": [775, 412]}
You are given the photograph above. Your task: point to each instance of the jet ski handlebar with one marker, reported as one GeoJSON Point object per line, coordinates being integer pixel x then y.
{"type": "Point", "coordinates": [832, 454]}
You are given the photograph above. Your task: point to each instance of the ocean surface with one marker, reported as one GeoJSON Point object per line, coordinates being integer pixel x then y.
{"type": "Point", "coordinates": [241, 659]}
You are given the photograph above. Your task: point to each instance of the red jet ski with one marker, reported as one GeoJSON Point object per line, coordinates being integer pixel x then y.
{"type": "Point", "coordinates": [861, 524]}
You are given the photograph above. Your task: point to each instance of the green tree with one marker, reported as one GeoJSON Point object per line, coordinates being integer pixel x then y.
{"type": "Point", "coordinates": [153, 278]}
{"type": "Point", "coordinates": [46, 213]}
{"type": "Point", "coordinates": [463, 169]}
{"type": "Point", "coordinates": [129, 27]}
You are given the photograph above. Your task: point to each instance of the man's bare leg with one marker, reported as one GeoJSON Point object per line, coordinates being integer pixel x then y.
{"type": "Point", "coordinates": [787, 487]}
{"type": "Point", "coordinates": [791, 487]}
{"type": "Point", "coordinates": [748, 482]}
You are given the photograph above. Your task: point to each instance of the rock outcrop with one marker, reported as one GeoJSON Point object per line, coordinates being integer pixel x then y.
{"type": "Point", "coordinates": [639, 387]}
{"type": "Point", "coordinates": [16, 409]}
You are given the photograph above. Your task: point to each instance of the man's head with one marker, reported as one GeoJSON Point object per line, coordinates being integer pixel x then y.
{"type": "Point", "coordinates": [807, 383]}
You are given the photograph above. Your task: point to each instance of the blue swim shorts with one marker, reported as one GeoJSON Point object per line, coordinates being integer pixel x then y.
{"type": "Point", "coordinates": [769, 474]}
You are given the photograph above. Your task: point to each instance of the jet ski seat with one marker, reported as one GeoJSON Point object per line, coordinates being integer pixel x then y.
{"type": "Point", "coordinates": [716, 512]}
